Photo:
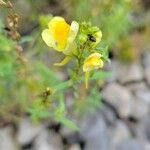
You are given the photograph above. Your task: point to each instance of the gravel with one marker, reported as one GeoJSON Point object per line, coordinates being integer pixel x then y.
{"type": "Point", "coordinates": [119, 97]}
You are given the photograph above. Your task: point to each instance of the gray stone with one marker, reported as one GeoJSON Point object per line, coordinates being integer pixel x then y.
{"type": "Point", "coordinates": [147, 75]}
{"type": "Point", "coordinates": [143, 95]}
{"type": "Point", "coordinates": [7, 141]}
{"type": "Point", "coordinates": [119, 97]}
{"type": "Point", "coordinates": [94, 132]}
{"type": "Point", "coordinates": [141, 99]}
{"type": "Point", "coordinates": [91, 124]}
{"type": "Point", "coordinates": [108, 115]}
{"type": "Point", "coordinates": [125, 72]}
{"type": "Point", "coordinates": [130, 144]}
{"type": "Point", "coordinates": [146, 62]}
{"type": "Point", "coordinates": [66, 132]}
{"type": "Point", "coordinates": [140, 108]}
{"type": "Point", "coordinates": [140, 90]}
{"type": "Point", "coordinates": [74, 147]}
{"type": "Point", "coordinates": [48, 140]}
{"type": "Point", "coordinates": [142, 130]}
{"type": "Point", "coordinates": [27, 131]}
{"type": "Point", "coordinates": [119, 133]}
{"type": "Point", "coordinates": [97, 143]}
{"type": "Point", "coordinates": [112, 67]}
{"type": "Point", "coordinates": [146, 146]}
{"type": "Point", "coordinates": [133, 87]}
{"type": "Point", "coordinates": [146, 59]}
{"type": "Point", "coordinates": [128, 73]}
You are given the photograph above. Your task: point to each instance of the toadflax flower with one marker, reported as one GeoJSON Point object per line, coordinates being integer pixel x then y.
{"type": "Point", "coordinates": [60, 36]}
{"type": "Point", "coordinates": [93, 61]}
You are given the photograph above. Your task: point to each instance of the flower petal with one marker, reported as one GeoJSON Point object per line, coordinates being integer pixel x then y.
{"type": "Point", "coordinates": [53, 37]}
{"type": "Point", "coordinates": [93, 61]}
{"type": "Point", "coordinates": [59, 30]}
{"type": "Point", "coordinates": [72, 35]}
{"type": "Point", "coordinates": [98, 36]}
{"type": "Point", "coordinates": [64, 61]}
{"type": "Point", "coordinates": [48, 39]}
{"type": "Point", "coordinates": [54, 21]}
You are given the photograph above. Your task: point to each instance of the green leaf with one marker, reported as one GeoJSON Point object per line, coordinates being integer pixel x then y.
{"type": "Point", "coordinates": [6, 44]}
{"type": "Point", "coordinates": [26, 39]}
{"type": "Point", "coordinates": [60, 110]}
{"type": "Point", "coordinates": [60, 114]}
{"type": "Point", "coordinates": [6, 69]}
{"type": "Point", "coordinates": [69, 124]}
{"type": "Point", "coordinates": [90, 103]}
{"type": "Point", "coordinates": [39, 109]}
{"type": "Point", "coordinates": [62, 103]}
{"type": "Point", "coordinates": [47, 75]}
{"type": "Point", "coordinates": [39, 114]}
{"type": "Point", "coordinates": [64, 85]}
{"type": "Point", "coordinates": [100, 75]}
{"type": "Point", "coordinates": [103, 50]}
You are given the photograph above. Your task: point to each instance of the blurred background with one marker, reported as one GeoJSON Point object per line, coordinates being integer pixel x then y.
{"type": "Point", "coordinates": [114, 115]}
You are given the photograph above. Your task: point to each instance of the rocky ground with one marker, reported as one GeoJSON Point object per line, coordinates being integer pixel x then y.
{"type": "Point", "coordinates": [123, 123]}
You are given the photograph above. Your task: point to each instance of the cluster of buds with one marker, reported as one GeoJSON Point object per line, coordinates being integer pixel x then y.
{"type": "Point", "coordinates": [13, 20]}
{"type": "Point", "coordinates": [6, 4]}
{"type": "Point", "coordinates": [2, 2]}
{"type": "Point", "coordinates": [78, 41]}
{"type": "Point", "coordinates": [13, 23]}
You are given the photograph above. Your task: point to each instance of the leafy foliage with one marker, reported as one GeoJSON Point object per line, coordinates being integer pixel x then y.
{"type": "Point", "coordinates": [35, 87]}
{"type": "Point", "coordinates": [113, 17]}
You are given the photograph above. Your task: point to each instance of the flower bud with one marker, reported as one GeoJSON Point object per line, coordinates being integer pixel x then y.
{"type": "Point", "coordinates": [82, 38]}
{"type": "Point", "coordinates": [93, 61]}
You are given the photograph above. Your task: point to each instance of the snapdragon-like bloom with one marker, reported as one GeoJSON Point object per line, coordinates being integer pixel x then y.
{"type": "Point", "coordinates": [93, 61]}
{"type": "Point", "coordinates": [98, 37]}
{"type": "Point", "coordinates": [60, 35]}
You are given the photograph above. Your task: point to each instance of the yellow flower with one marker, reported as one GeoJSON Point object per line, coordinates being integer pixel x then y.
{"type": "Point", "coordinates": [93, 61]}
{"type": "Point", "coordinates": [98, 37]}
{"type": "Point", "coordinates": [60, 35]}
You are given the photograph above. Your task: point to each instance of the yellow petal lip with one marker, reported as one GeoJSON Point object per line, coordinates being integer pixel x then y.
{"type": "Point", "coordinates": [70, 46]}
{"type": "Point", "coordinates": [93, 61]}
{"type": "Point", "coordinates": [64, 61]}
{"type": "Point", "coordinates": [54, 21]}
{"type": "Point", "coordinates": [48, 38]}
{"type": "Point", "coordinates": [59, 29]}
{"type": "Point", "coordinates": [60, 35]}
{"type": "Point", "coordinates": [98, 36]}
